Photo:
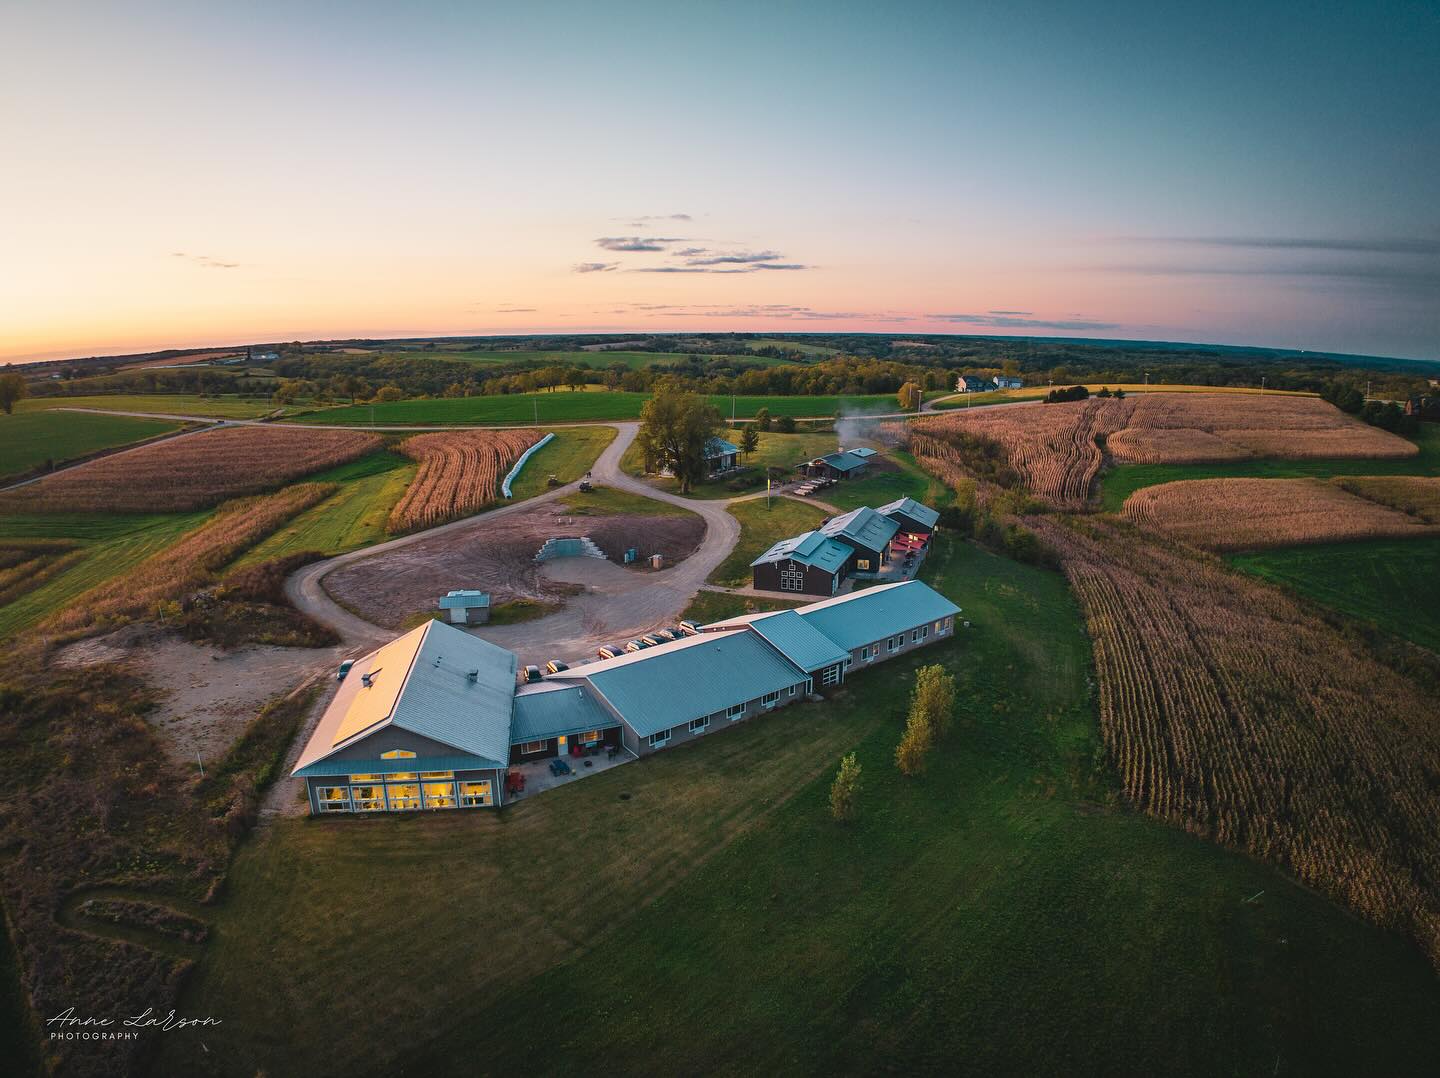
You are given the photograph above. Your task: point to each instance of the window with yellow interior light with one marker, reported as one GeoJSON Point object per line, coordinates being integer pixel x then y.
{"type": "Point", "coordinates": [368, 798]}
{"type": "Point", "coordinates": [333, 798]}
{"type": "Point", "coordinates": [397, 754]}
{"type": "Point", "coordinates": [403, 798]}
{"type": "Point", "coordinates": [590, 737]}
{"type": "Point", "coordinates": [474, 794]}
{"type": "Point", "coordinates": [439, 795]}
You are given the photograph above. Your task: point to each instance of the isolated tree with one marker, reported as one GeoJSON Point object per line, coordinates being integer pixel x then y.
{"type": "Point", "coordinates": [914, 744]}
{"type": "Point", "coordinates": [910, 397]}
{"type": "Point", "coordinates": [575, 378]}
{"type": "Point", "coordinates": [749, 439]}
{"type": "Point", "coordinates": [675, 426]}
{"type": "Point", "coordinates": [12, 389]}
{"type": "Point", "coordinates": [935, 697]}
{"type": "Point", "coordinates": [390, 393]}
{"type": "Point", "coordinates": [786, 423]}
{"type": "Point", "coordinates": [762, 419]}
{"type": "Point", "coordinates": [845, 790]}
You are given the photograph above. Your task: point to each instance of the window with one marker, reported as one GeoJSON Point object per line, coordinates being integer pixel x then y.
{"type": "Point", "coordinates": [439, 795]}
{"type": "Point", "coordinates": [894, 642]}
{"type": "Point", "coordinates": [770, 699]}
{"type": "Point", "coordinates": [437, 774]}
{"type": "Point", "coordinates": [474, 794]}
{"type": "Point", "coordinates": [332, 798]}
{"type": "Point", "coordinates": [699, 726]}
{"type": "Point", "coordinates": [368, 798]}
{"type": "Point", "coordinates": [656, 740]}
{"type": "Point", "coordinates": [793, 688]}
{"type": "Point", "coordinates": [736, 712]}
{"type": "Point", "coordinates": [589, 737]}
{"type": "Point", "coordinates": [397, 754]}
{"type": "Point", "coordinates": [403, 798]}
{"type": "Point", "coordinates": [831, 675]}
{"type": "Point", "coordinates": [920, 634]}
{"type": "Point", "coordinates": [529, 748]}
{"type": "Point", "coordinates": [939, 627]}
{"type": "Point", "coordinates": [402, 776]}
{"type": "Point", "coordinates": [366, 778]}
{"type": "Point", "coordinates": [867, 653]}
{"type": "Point", "coordinates": [791, 581]}
{"type": "Point", "coordinates": [862, 564]}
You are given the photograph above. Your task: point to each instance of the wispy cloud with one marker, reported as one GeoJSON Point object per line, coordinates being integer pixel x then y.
{"type": "Point", "coordinates": [1370, 245]}
{"type": "Point", "coordinates": [649, 218]}
{"type": "Point", "coordinates": [740, 257]}
{"type": "Point", "coordinates": [516, 310]}
{"type": "Point", "coordinates": [204, 261]}
{"type": "Point", "coordinates": [1003, 321]}
{"type": "Point", "coordinates": [636, 243]}
{"type": "Point", "coordinates": [595, 267]}
{"type": "Point", "coordinates": [757, 310]}
{"type": "Point", "coordinates": [1012, 312]}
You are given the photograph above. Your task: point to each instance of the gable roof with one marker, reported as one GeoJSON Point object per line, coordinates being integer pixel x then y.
{"type": "Point", "coordinates": [862, 617]}
{"type": "Point", "coordinates": [864, 452]}
{"type": "Point", "coordinates": [799, 641]}
{"type": "Point", "coordinates": [719, 447]}
{"type": "Point", "coordinates": [670, 684]}
{"type": "Point", "coordinates": [843, 462]}
{"type": "Point", "coordinates": [921, 514]}
{"type": "Point", "coordinates": [461, 600]}
{"type": "Point", "coordinates": [862, 526]}
{"type": "Point", "coordinates": [812, 548]}
{"type": "Point", "coordinates": [554, 710]}
{"type": "Point", "coordinates": [420, 682]}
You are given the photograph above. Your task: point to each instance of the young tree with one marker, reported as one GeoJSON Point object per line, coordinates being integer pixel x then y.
{"type": "Point", "coordinates": [786, 423]}
{"type": "Point", "coordinates": [762, 419]}
{"type": "Point", "coordinates": [749, 439]}
{"type": "Point", "coordinates": [910, 397]}
{"type": "Point", "coordinates": [910, 753]}
{"type": "Point", "coordinates": [935, 696]}
{"type": "Point", "coordinates": [12, 389]}
{"type": "Point", "coordinates": [845, 790]}
{"type": "Point", "coordinates": [675, 425]}
{"type": "Point", "coordinates": [390, 393]}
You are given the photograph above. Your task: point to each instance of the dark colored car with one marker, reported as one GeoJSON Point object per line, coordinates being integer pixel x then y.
{"type": "Point", "coordinates": [554, 666]}
{"type": "Point", "coordinates": [532, 673]}
{"type": "Point", "coordinates": [344, 669]}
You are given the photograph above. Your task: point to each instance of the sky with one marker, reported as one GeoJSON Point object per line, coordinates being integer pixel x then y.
{"type": "Point", "coordinates": [193, 173]}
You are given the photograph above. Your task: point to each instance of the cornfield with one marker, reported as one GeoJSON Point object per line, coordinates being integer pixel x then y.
{"type": "Point", "coordinates": [192, 472]}
{"type": "Point", "coordinates": [1054, 447]}
{"type": "Point", "coordinates": [1246, 514]}
{"type": "Point", "coordinates": [189, 564]}
{"type": "Point", "coordinates": [1189, 428]}
{"type": "Point", "coordinates": [1418, 497]}
{"type": "Point", "coordinates": [460, 473]}
{"type": "Point", "coordinates": [1233, 712]}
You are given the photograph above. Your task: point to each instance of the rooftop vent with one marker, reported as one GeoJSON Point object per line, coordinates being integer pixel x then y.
{"type": "Point", "coordinates": [473, 675]}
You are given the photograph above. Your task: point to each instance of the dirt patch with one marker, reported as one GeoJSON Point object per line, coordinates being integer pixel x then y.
{"type": "Point", "coordinates": [499, 557]}
{"type": "Point", "coordinates": [207, 695]}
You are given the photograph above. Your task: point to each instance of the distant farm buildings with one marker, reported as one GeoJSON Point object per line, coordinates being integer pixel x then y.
{"type": "Point", "coordinates": [975, 383]}
{"type": "Point", "coordinates": [435, 718]}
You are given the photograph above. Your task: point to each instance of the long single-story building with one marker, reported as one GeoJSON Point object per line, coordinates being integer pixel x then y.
{"type": "Point", "coordinates": [434, 719]}
{"type": "Point", "coordinates": [811, 564]}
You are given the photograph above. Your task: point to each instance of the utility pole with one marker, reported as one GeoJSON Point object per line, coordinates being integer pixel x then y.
{"type": "Point", "coordinates": [1147, 379]}
{"type": "Point", "coordinates": [536, 403]}
{"type": "Point", "coordinates": [732, 409]}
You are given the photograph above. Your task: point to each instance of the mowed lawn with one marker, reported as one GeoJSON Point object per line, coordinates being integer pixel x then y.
{"type": "Point", "coordinates": [1394, 583]}
{"type": "Point", "coordinates": [1000, 915]}
{"type": "Point", "coordinates": [567, 456]}
{"type": "Point", "coordinates": [567, 406]}
{"type": "Point", "coordinates": [895, 475]}
{"type": "Point", "coordinates": [761, 527]}
{"type": "Point", "coordinates": [775, 450]}
{"type": "Point", "coordinates": [226, 406]}
{"type": "Point", "coordinates": [1123, 480]}
{"type": "Point", "coordinates": [31, 439]}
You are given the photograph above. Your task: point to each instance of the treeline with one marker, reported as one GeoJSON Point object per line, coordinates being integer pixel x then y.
{"type": "Point", "coordinates": [1387, 415]}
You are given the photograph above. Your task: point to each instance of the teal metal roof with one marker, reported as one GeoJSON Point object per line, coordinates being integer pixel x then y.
{"type": "Point", "coordinates": [393, 767]}
{"type": "Point", "coordinates": [864, 617]}
{"type": "Point", "coordinates": [557, 712]}
{"type": "Point", "coordinates": [921, 514]}
{"type": "Point", "coordinates": [812, 548]}
{"type": "Point", "coordinates": [844, 462]}
{"type": "Point", "coordinates": [864, 452]}
{"type": "Point", "coordinates": [719, 447]}
{"type": "Point", "coordinates": [462, 600]}
{"type": "Point", "coordinates": [862, 526]}
{"type": "Point", "coordinates": [668, 685]}
{"type": "Point", "coordinates": [799, 641]}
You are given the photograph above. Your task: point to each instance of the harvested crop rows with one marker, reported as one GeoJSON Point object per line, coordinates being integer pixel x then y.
{"type": "Point", "coordinates": [1414, 495]}
{"type": "Point", "coordinates": [460, 473]}
{"type": "Point", "coordinates": [1054, 447]}
{"type": "Point", "coordinates": [25, 565]}
{"type": "Point", "coordinates": [192, 472]}
{"type": "Point", "coordinates": [190, 564]}
{"type": "Point", "coordinates": [1193, 428]}
{"type": "Point", "coordinates": [1249, 514]}
{"type": "Point", "coordinates": [1231, 711]}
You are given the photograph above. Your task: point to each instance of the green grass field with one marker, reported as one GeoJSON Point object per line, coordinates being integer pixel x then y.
{"type": "Point", "coordinates": [565, 406]}
{"type": "Point", "coordinates": [1123, 480]}
{"type": "Point", "coordinates": [795, 346]}
{"type": "Point", "coordinates": [608, 502]}
{"type": "Point", "coordinates": [114, 543]}
{"type": "Point", "coordinates": [1010, 396]}
{"type": "Point", "coordinates": [1001, 915]}
{"type": "Point", "coordinates": [1392, 583]}
{"type": "Point", "coordinates": [760, 529]}
{"type": "Point", "coordinates": [29, 439]}
{"type": "Point", "coordinates": [882, 486]}
{"type": "Point", "coordinates": [775, 450]}
{"type": "Point", "coordinates": [221, 407]}
{"type": "Point", "coordinates": [567, 456]}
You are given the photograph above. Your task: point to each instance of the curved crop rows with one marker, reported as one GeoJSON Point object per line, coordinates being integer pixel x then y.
{"type": "Point", "coordinates": [193, 472]}
{"type": "Point", "coordinates": [1247, 514]}
{"type": "Point", "coordinates": [460, 473]}
{"type": "Point", "coordinates": [1414, 495]}
{"type": "Point", "coordinates": [1231, 711]}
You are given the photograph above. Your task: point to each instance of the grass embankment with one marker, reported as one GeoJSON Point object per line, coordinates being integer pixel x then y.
{"type": "Point", "coordinates": [760, 529]}
{"type": "Point", "coordinates": [884, 484]}
{"type": "Point", "coordinates": [711, 606]}
{"type": "Point", "coordinates": [609, 502]}
{"type": "Point", "coordinates": [224, 406]}
{"type": "Point", "coordinates": [1392, 583]}
{"type": "Point", "coordinates": [37, 439]}
{"type": "Point", "coordinates": [568, 456]}
{"type": "Point", "coordinates": [565, 406]}
{"type": "Point", "coordinates": [742, 930]}
{"type": "Point", "coordinates": [775, 450]}
{"type": "Point", "coordinates": [1123, 480]}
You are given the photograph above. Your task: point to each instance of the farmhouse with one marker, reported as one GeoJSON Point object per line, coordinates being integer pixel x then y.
{"type": "Point", "coordinates": [846, 464]}
{"type": "Point", "coordinates": [720, 455]}
{"type": "Point", "coordinates": [1005, 381]}
{"type": "Point", "coordinates": [811, 564]}
{"type": "Point", "coordinates": [867, 534]}
{"type": "Point", "coordinates": [915, 521]}
{"type": "Point", "coordinates": [434, 719]}
{"type": "Point", "coordinates": [973, 383]}
{"type": "Point", "coordinates": [466, 607]}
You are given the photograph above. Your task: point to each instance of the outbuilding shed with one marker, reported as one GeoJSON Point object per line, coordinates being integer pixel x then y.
{"type": "Point", "coordinates": [466, 607]}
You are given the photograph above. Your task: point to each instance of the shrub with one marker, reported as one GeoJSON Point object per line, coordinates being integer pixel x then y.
{"type": "Point", "coordinates": [845, 790]}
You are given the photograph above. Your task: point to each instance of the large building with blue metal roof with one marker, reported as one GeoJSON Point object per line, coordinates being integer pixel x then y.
{"type": "Point", "coordinates": [811, 564]}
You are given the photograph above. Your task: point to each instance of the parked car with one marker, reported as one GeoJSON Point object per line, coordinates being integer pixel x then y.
{"type": "Point", "coordinates": [666, 634]}
{"type": "Point", "coordinates": [554, 666]}
{"type": "Point", "coordinates": [636, 645]}
{"type": "Point", "coordinates": [690, 628]}
{"type": "Point", "coordinates": [532, 674]}
{"type": "Point", "coordinates": [344, 669]}
{"type": "Point", "coordinates": [609, 651]}
{"type": "Point", "coordinates": [585, 487]}
{"type": "Point", "coordinates": [651, 639]}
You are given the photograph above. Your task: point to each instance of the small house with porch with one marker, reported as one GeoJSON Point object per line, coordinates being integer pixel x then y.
{"type": "Point", "coordinates": [466, 607]}
{"type": "Point", "coordinates": [810, 564]}
{"type": "Point", "coordinates": [720, 455]}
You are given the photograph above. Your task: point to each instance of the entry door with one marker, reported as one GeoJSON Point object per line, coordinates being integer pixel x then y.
{"type": "Point", "coordinates": [561, 745]}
